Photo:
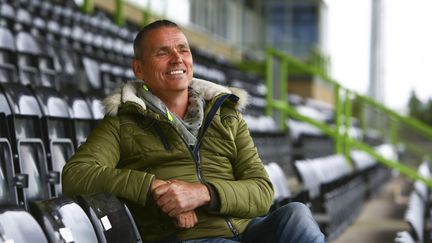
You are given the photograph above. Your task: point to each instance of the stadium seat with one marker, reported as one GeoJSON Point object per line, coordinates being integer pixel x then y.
{"type": "Point", "coordinates": [9, 181]}
{"type": "Point", "coordinates": [415, 216]}
{"type": "Point", "coordinates": [7, 15]}
{"type": "Point", "coordinates": [27, 56]}
{"type": "Point", "coordinates": [97, 108]}
{"type": "Point", "coordinates": [404, 237]}
{"type": "Point", "coordinates": [8, 194]}
{"type": "Point", "coordinates": [336, 194]}
{"type": "Point", "coordinates": [57, 129]}
{"type": "Point", "coordinates": [48, 60]}
{"type": "Point", "coordinates": [82, 116]}
{"type": "Point", "coordinates": [254, 86]}
{"type": "Point", "coordinates": [110, 217]}
{"type": "Point", "coordinates": [92, 74]}
{"type": "Point", "coordinates": [275, 146]}
{"type": "Point", "coordinates": [282, 193]}
{"type": "Point", "coordinates": [8, 71]}
{"type": "Point", "coordinates": [27, 145]}
{"type": "Point", "coordinates": [17, 225]}
{"type": "Point", "coordinates": [58, 37]}
{"type": "Point", "coordinates": [63, 220]}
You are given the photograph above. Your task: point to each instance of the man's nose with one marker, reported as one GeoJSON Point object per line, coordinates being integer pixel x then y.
{"type": "Point", "coordinates": [176, 57]}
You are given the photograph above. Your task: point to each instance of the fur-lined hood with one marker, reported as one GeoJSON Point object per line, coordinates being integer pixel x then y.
{"type": "Point", "coordinates": [208, 90]}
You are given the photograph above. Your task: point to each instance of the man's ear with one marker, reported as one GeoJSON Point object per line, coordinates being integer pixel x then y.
{"type": "Point", "coordinates": [137, 68]}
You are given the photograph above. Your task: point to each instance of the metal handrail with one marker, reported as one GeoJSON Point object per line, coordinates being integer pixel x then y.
{"type": "Point", "coordinates": [343, 108]}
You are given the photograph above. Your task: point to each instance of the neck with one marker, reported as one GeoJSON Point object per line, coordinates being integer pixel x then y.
{"type": "Point", "coordinates": [177, 104]}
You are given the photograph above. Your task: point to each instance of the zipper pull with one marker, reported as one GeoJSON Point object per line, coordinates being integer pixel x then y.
{"type": "Point", "coordinates": [169, 116]}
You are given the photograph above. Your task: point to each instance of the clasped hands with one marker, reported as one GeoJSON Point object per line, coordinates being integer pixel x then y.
{"type": "Point", "coordinates": [179, 199]}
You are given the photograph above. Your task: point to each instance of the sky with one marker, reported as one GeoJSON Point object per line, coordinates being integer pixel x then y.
{"type": "Point", "coordinates": [407, 47]}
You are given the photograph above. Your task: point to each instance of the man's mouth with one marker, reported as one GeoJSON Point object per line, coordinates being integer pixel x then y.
{"type": "Point", "coordinates": [176, 72]}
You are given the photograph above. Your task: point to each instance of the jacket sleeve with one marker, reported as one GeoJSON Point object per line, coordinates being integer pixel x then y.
{"type": "Point", "coordinates": [93, 169]}
{"type": "Point", "coordinates": [251, 194]}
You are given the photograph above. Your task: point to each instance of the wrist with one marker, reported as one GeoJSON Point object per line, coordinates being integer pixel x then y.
{"type": "Point", "coordinates": [206, 195]}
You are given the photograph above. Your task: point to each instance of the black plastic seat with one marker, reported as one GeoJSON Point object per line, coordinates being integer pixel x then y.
{"type": "Point", "coordinates": [255, 87]}
{"type": "Point", "coordinates": [27, 145]}
{"type": "Point", "coordinates": [110, 217]}
{"type": "Point", "coordinates": [17, 225]}
{"type": "Point", "coordinates": [63, 220]}
{"type": "Point", "coordinates": [82, 117]}
{"type": "Point", "coordinates": [97, 107]}
{"type": "Point", "coordinates": [92, 74]}
{"type": "Point", "coordinates": [8, 71]}
{"type": "Point", "coordinates": [9, 181]}
{"type": "Point", "coordinates": [28, 52]}
{"type": "Point", "coordinates": [57, 130]}
{"type": "Point", "coordinates": [112, 77]}
{"type": "Point", "coordinates": [48, 60]}
{"type": "Point", "coordinates": [7, 191]}
{"type": "Point", "coordinates": [280, 183]}
{"type": "Point", "coordinates": [57, 37]}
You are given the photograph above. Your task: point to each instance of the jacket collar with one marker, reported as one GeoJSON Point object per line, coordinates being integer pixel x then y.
{"type": "Point", "coordinates": [129, 93]}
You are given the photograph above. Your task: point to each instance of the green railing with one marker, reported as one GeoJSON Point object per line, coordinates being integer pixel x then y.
{"type": "Point", "coordinates": [396, 129]}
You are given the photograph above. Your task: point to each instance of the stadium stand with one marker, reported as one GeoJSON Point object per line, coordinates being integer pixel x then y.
{"type": "Point", "coordinates": [55, 65]}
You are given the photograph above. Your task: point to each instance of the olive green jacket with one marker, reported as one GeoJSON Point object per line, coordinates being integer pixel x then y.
{"type": "Point", "coordinates": [133, 145]}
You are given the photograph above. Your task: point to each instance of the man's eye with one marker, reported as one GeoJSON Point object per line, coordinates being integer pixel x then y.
{"type": "Point", "coordinates": [161, 53]}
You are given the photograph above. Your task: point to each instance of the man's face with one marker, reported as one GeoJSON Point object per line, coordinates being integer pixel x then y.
{"type": "Point", "coordinates": [166, 61]}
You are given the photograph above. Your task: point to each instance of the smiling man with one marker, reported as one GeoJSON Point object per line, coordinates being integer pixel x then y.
{"type": "Point", "coordinates": [178, 151]}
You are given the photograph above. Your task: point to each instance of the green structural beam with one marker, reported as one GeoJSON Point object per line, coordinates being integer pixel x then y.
{"type": "Point", "coordinates": [87, 6]}
{"type": "Point", "coordinates": [269, 81]}
{"type": "Point", "coordinates": [119, 13]}
{"type": "Point", "coordinates": [404, 169]}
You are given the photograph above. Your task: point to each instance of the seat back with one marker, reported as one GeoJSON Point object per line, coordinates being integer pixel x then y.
{"type": "Point", "coordinates": [7, 55]}
{"type": "Point", "coordinates": [309, 178]}
{"type": "Point", "coordinates": [415, 215]}
{"type": "Point", "coordinates": [57, 132]}
{"type": "Point", "coordinates": [27, 144]}
{"type": "Point", "coordinates": [17, 225]}
{"type": "Point", "coordinates": [110, 218]}
{"type": "Point", "coordinates": [278, 179]}
{"type": "Point", "coordinates": [8, 193]}
{"type": "Point", "coordinates": [82, 117]}
{"type": "Point", "coordinates": [63, 220]}
{"type": "Point", "coordinates": [27, 55]}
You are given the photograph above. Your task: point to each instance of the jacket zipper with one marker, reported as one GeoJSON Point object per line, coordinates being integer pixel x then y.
{"type": "Point", "coordinates": [195, 151]}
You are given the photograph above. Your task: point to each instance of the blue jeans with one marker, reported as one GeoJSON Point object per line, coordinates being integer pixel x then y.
{"type": "Point", "coordinates": [292, 223]}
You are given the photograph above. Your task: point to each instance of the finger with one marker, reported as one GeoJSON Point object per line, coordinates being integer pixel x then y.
{"type": "Point", "coordinates": [195, 218]}
{"type": "Point", "coordinates": [168, 208]}
{"type": "Point", "coordinates": [165, 199]}
{"type": "Point", "coordinates": [160, 191]}
{"type": "Point", "coordinates": [174, 212]}
{"type": "Point", "coordinates": [181, 221]}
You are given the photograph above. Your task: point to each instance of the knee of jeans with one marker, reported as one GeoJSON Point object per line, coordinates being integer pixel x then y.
{"type": "Point", "coordinates": [296, 209]}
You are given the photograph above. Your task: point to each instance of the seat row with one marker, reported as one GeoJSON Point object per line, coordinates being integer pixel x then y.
{"type": "Point", "coordinates": [87, 218]}
{"type": "Point", "coordinates": [418, 213]}
{"type": "Point", "coordinates": [337, 187]}
{"type": "Point", "coordinates": [43, 52]}
{"type": "Point", "coordinates": [41, 129]}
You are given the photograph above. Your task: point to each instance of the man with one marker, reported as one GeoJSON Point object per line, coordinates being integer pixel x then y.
{"type": "Point", "coordinates": [178, 151]}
